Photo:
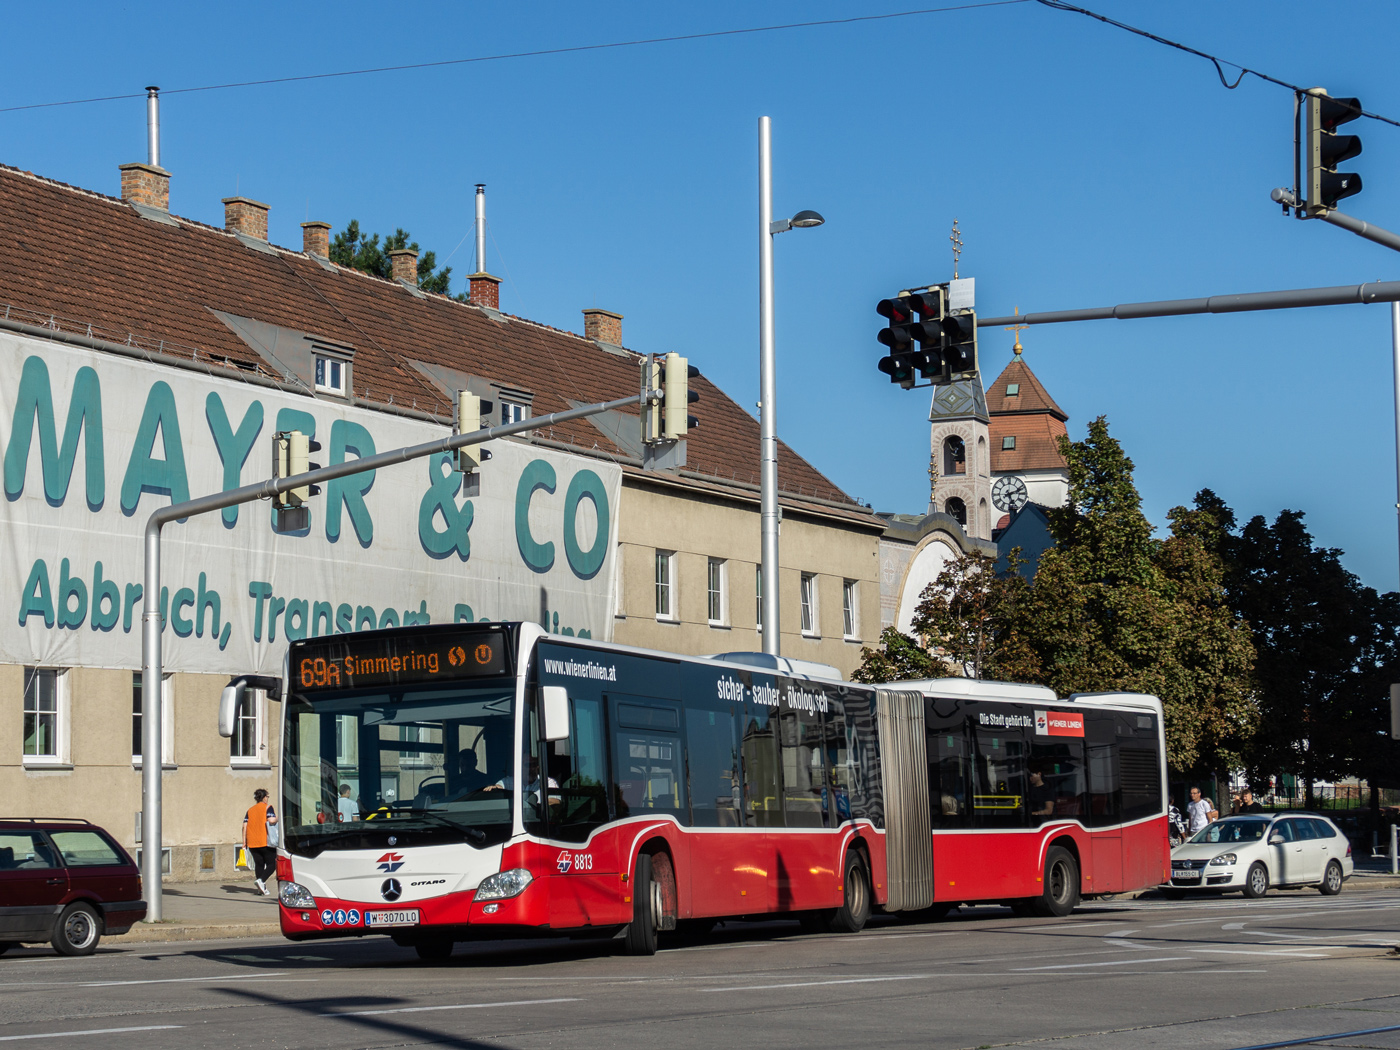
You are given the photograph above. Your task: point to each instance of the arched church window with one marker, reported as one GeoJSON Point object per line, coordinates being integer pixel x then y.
{"type": "Point", "coordinates": [954, 456]}
{"type": "Point", "coordinates": [958, 510]}
{"type": "Point", "coordinates": [982, 456]}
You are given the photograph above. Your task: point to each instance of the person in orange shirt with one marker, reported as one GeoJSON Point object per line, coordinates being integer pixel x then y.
{"type": "Point", "coordinates": [259, 826]}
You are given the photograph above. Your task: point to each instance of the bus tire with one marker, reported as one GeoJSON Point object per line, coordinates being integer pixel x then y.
{"type": "Point", "coordinates": [855, 906]}
{"type": "Point", "coordinates": [1060, 886]}
{"type": "Point", "coordinates": [640, 938]}
{"type": "Point", "coordinates": [434, 951]}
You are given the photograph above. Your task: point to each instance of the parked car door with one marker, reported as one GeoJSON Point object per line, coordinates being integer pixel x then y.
{"type": "Point", "coordinates": [95, 865]}
{"type": "Point", "coordinates": [1331, 845]}
{"type": "Point", "coordinates": [32, 885]}
{"type": "Point", "coordinates": [1313, 853]}
{"type": "Point", "coordinates": [1293, 861]}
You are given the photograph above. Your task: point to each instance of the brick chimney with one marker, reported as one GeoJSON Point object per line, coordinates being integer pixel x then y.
{"type": "Point", "coordinates": [316, 239]}
{"type": "Point", "coordinates": [405, 264]}
{"type": "Point", "coordinates": [486, 291]}
{"type": "Point", "coordinates": [603, 325]}
{"type": "Point", "coordinates": [146, 185]}
{"type": "Point", "coordinates": [248, 217]}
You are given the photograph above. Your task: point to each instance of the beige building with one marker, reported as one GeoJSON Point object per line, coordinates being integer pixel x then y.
{"type": "Point", "coordinates": [183, 347]}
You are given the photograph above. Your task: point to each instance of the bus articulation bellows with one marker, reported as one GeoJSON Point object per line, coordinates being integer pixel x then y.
{"type": "Point", "coordinates": [442, 783]}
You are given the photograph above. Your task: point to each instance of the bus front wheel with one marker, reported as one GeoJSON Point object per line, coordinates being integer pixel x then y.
{"type": "Point", "coordinates": [1060, 892]}
{"type": "Point", "coordinates": [855, 907]}
{"type": "Point", "coordinates": [640, 938]}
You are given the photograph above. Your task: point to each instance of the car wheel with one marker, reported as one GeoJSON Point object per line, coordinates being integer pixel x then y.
{"type": "Point", "coordinates": [77, 930]}
{"type": "Point", "coordinates": [855, 907]}
{"type": "Point", "coordinates": [1332, 880]}
{"type": "Point", "coordinates": [646, 907]}
{"type": "Point", "coordinates": [1256, 882]}
{"type": "Point", "coordinates": [433, 951]}
{"type": "Point", "coordinates": [1061, 884]}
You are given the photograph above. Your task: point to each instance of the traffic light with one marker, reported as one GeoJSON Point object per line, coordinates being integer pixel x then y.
{"type": "Point", "coordinates": [927, 331]}
{"type": "Point", "coordinates": [291, 455]}
{"type": "Point", "coordinates": [667, 419]}
{"type": "Point", "coordinates": [960, 343]}
{"type": "Point", "coordinates": [676, 374]}
{"type": "Point", "coordinates": [1325, 149]}
{"type": "Point", "coordinates": [899, 337]}
{"type": "Point", "coordinates": [469, 409]}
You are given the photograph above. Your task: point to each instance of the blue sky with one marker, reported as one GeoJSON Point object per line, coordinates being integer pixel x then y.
{"type": "Point", "coordinates": [1086, 167]}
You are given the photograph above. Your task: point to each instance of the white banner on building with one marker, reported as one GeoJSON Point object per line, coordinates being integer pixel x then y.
{"type": "Point", "coordinates": [94, 442]}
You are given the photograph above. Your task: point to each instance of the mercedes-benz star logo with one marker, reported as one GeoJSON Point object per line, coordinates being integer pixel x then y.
{"type": "Point", "coordinates": [391, 890]}
{"type": "Point", "coordinates": [393, 840]}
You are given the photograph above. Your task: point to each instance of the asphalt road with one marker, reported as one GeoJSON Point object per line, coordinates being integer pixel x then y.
{"type": "Point", "coordinates": [1221, 973]}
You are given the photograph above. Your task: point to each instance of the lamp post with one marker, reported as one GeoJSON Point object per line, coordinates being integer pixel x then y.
{"type": "Point", "coordinates": [767, 381]}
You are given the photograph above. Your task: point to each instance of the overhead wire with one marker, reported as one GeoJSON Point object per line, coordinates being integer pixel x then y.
{"type": "Point", "coordinates": [1215, 60]}
{"type": "Point", "coordinates": [530, 54]}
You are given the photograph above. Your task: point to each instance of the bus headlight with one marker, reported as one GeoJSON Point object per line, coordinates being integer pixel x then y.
{"type": "Point", "coordinates": [504, 884]}
{"type": "Point", "coordinates": [295, 895]}
{"type": "Point", "coordinates": [1224, 859]}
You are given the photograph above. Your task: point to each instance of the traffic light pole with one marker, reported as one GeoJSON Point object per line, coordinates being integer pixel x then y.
{"type": "Point", "coordinates": [1362, 228]}
{"type": "Point", "coordinates": [151, 664]}
{"type": "Point", "coordinates": [767, 397]}
{"type": "Point", "coordinates": [1395, 364]}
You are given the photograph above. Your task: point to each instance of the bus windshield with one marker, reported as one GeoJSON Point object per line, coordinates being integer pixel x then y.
{"type": "Point", "coordinates": [429, 765]}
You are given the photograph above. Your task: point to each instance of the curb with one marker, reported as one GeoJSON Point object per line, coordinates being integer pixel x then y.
{"type": "Point", "coordinates": [153, 933]}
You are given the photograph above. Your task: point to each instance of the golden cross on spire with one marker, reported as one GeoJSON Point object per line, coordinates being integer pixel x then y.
{"type": "Point", "coordinates": [1017, 329]}
{"type": "Point", "coordinates": [956, 238]}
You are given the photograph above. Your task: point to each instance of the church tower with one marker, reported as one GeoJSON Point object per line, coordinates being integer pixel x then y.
{"type": "Point", "coordinates": [960, 467]}
{"type": "Point", "coordinates": [1026, 425]}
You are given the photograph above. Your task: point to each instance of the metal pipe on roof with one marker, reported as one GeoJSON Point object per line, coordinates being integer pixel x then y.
{"type": "Point", "coordinates": [153, 126]}
{"type": "Point", "coordinates": [481, 227]}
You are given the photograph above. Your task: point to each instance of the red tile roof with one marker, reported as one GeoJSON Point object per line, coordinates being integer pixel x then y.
{"type": "Point", "coordinates": [92, 258]}
{"type": "Point", "coordinates": [1030, 416]}
{"type": "Point", "coordinates": [1032, 397]}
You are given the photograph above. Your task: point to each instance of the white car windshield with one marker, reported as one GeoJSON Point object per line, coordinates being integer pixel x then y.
{"type": "Point", "coordinates": [1231, 831]}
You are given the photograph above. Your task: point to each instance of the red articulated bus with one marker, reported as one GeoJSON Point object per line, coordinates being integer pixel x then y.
{"type": "Point", "coordinates": [451, 782]}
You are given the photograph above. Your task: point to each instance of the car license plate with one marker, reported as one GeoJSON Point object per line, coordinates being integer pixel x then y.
{"type": "Point", "coordinates": [1185, 873]}
{"type": "Point", "coordinates": [402, 917]}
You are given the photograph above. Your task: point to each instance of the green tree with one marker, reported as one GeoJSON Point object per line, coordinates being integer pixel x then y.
{"type": "Point", "coordinates": [352, 248]}
{"type": "Point", "coordinates": [971, 616]}
{"type": "Point", "coordinates": [897, 659]}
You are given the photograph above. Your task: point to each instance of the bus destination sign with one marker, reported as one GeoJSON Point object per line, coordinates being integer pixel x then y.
{"type": "Point", "coordinates": [345, 662]}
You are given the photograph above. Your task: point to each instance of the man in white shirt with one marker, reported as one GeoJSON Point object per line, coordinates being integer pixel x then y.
{"type": "Point", "coordinates": [346, 809]}
{"type": "Point", "coordinates": [1198, 811]}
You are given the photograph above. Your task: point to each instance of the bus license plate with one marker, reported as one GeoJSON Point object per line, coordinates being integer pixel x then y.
{"type": "Point", "coordinates": [1188, 874]}
{"type": "Point", "coordinates": [403, 917]}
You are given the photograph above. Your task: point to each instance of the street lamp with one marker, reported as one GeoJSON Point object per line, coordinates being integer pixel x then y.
{"type": "Point", "coordinates": [767, 380]}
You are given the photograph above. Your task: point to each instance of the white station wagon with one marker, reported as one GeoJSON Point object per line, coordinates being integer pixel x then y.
{"type": "Point", "coordinates": [1254, 851]}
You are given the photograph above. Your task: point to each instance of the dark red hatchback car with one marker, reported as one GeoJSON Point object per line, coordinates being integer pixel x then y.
{"type": "Point", "coordinates": [66, 882]}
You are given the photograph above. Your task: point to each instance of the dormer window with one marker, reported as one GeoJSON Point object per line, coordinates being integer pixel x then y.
{"type": "Point", "coordinates": [332, 374]}
{"type": "Point", "coordinates": [1008, 443]}
{"type": "Point", "coordinates": [513, 412]}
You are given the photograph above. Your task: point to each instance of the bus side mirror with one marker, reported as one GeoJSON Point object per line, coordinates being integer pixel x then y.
{"type": "Point", "coordinates": [555, 701]}
{"type": "Point", "coordinates": [229, 701]}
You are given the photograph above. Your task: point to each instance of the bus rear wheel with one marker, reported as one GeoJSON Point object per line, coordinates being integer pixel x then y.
{"type": "Point", "coordinates": [640, 938]}
{"type": "Point", "coordinates": [855, 907]}
{"type": "Point", "coordinates": [1060, 892]}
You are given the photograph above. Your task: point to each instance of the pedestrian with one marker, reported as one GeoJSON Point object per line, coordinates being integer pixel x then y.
{"type": "Point", "coordinates": [260, 839]}
{"type": "Point", "coordinates": [1176, 824]}
{"type": "Point", "coordinates": [1200, 811]}
{"type": "Point", "coordinates": [1247, 803]}
{"type": "Point", "coordinates": [345, 809]}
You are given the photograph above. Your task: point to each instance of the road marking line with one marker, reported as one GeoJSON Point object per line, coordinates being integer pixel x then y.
{"type": "Point", "coordinates": [454, 1006]}
{"type": "Point", "coordinates": [846, 980]}
{"type": "Point", "coordinates": [1233, 926]}
{"type": "Point", "coordinates": [154, 980]}
{"type": "Point", "coordinates": [1119, 962]}
{"type": "Point", "coordinates": [1276, 955]}
{"type": "Point", "coordinates": [92, 1031]}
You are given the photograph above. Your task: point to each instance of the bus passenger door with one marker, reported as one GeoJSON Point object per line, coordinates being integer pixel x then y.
{"type": "Point", "coordinates": [756, 871]}
{"type": "Point", "coordinates": [1105, 817]}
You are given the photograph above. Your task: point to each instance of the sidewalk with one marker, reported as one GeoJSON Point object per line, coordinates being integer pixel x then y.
{"type": "Point", "coordinates": [202, 911]}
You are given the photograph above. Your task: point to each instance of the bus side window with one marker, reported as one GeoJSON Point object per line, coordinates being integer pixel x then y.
{"type": "Point", "coordinates": [1056, 780]}
{"type": "Point", "coordinates": [764, 805]}
{"type": "Point", "coordinates": [999, 780]}
{"type": "Point", "coordinates": [863, 749]}
{"type": "Point", "coordinates": [803, 776]}
{"type": "Point", "coordinates": [838, 763]}
{"type": "Point", "coordinates": [1105, 784]}
{"type": "Point", "coordinates": [947, 780]}
{"type": "Point", "coordinates": [716, 798]}
{"type": "Point", "coordinates": [579, 768]}
{"type": "Point", "coordinates": [647, 771]}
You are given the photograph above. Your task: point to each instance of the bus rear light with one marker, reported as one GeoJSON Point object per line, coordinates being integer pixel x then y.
{"type": "Point", "coordinates": [504, 884]}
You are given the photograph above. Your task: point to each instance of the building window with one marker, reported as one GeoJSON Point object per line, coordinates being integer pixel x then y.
{"type": "Point", "coordinates": [718, 598]}
{"type": "Point", "coordinates": [249, 744]}
{"type": "Point", "coordinates": [167, 721]}
{"type": "Point", "coordinates": [848, 608]}
{"type": "Point", "coordinates": [758, 595]}
{"type": "Point", "coordinates": [511, 412]}
{"type": "Point", "coordinates": [45, 711]}
{"type": "Point", "coordinates": [665, 585]}
{"type": "Point", "coordinates": [958, 509]}
{"type": "Point", "coordinates": [1008, 443]}
{"type": "Point", "coordinates": [331, 375]}
{"type": "Point", "coordinates": [809, 603]}
{"type": "Point", "coordinates": [1013, 389]}
{"type": "Point", "coordinates": [954, 456]}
